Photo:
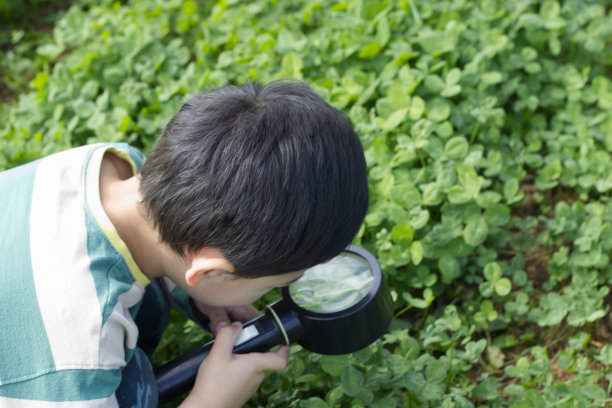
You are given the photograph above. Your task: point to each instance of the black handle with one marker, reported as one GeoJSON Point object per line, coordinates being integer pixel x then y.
{"type": "Point", "coordinates": [262, 333]}
{"type": "Point", "coordinates": [178, 376]}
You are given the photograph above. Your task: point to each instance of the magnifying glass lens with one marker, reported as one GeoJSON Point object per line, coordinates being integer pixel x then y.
{"type": "Point", "coordinates": [334, 285]}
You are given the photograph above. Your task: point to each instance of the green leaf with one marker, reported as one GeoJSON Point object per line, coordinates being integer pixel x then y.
{"type": "Point", "coordinates": [438, 110]}
{"type": "Point", "coordinates": [511, 188]}
{"type": "Point", "coordinates": [334, 364]}
{"type": "Point", "coordinates": [487, 199]}
{"type": "Point", "coordinates": [492, 78]}
{"type": "Point", "coordinates": [306, 378]}
{"type": "Point", "coordinates": [449, 268]}
{"type": "Point", "coordinates": [557, 308]}
{"type": "Point", "coordinates": [51, 51]}
{"type": "Point", "coordinates": [497, 215]}
{"type": "Point", "coordinates": [432, 392]}
{"type": "Point", "coordinates": [486, 289]}
{"type": "Point", "coordinates": [417, 108]}
{"type": "Point", "coordinates": [456, 148]}
{"type": "Point", "coordinates": [487, 389]}
{"type": "Point", "coordinates": [453, 76]}
{"type": "Point", "coordinates": [418, 218]}
{"type": "Point", "coordinates": [40, 81]}
{"type": "Point", "coordinates": [444, 129]}
{"type": "Point", "coordinates": [436, 371]}
{"type": "Point", "coordinates": [288, 41]}
{"type": "Point", "coordinates": [423, 303]}
{"type": "Point", "coordinates": [403, 233]}
{"type": "Point", "coordinates": [446, 178]}
{"type": "Point", "coordinates": [605, 355]}
{"type": "Point", "coordinates": [432, 195]}
{"type": "Point", "coordinates": [396, 119]}
{"type": "Point", "coordinates": [292, 65]}
{"type": "Point", "coordinates": [505, 341]}
{"type": "Point", "coordinates": [113, 75]}
{"type": "Point", "coordinates": [403, 157]}
{"type": "Point", "coordinates": [474, 349]}
{"type": "Point", "coordinates": [468, 177]}
{"type": "Point", "coordinates": [442, 234]}
{"type": "Point", "coordinates": [595, 392]}
{"type": "Point", "coordinates": [84, 109]}
{"type": "Point", "coordinates": [434, 83]}
{"type": "Point", "coordinates": [125, 123]}
{"type": "Point", "coordinates": [503, 286]}
{"type": "Point", "coordinates": [435, 42]}
{"type": "Point", "coordinates": [385, 185]}
{"type": "Point", "coordinates": [495, 356]}
{"type": "Point", "coordinates": [416, 252]}
{"type": "Point", "coordinates": [314, 402]}
{"type": "Point", "coordinates": [550, 9]}
{"type": "Point", "coordinates": [335, 395]}
{"type": "Point", "coordinates": [476, 231]}
{"type": "Point", "coordinates": [352, 381]}
{"type": "Point", "coordinates": [96, 120]}
{"type": "Point", "coordinates": [520, 369]}
{"type": "Point", "coordinates": [189, 8]}
{"type": "Point", "coordinates": [459, 194]}
{"type": "Point", "coordinates": [405, 195]}
{"type": "Point", "coordinates": [492, 272]}
{"type": "Point", "coordinates": [370, 50]}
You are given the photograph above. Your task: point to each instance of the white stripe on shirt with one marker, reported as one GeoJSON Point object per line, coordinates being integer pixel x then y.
{"type": "Point", "coordinates": [120, 328]}
{"type": "Point", "coordinates": [69, 306]}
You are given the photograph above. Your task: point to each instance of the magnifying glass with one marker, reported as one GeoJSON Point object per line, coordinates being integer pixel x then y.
{"type": "Point", "coordinates": [336, 307]}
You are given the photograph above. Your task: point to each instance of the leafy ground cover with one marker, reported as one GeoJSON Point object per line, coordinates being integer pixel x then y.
{"type": "Point", "coordinates": [487, 127]}
{"type": "Point", "coordinates": [20, 34]}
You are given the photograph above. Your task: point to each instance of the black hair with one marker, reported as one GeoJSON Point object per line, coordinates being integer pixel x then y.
{"type": "Point", "coordinates": [273, 177]}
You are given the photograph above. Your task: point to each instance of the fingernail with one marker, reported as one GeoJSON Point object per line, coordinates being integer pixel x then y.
{"type": "Point", "coordinates": [237, 324]}
{"type": "Point", "coordinates": [221, 324]}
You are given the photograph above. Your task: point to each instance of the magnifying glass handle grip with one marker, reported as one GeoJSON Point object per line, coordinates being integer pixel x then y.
{"type": "Point", "coordinates": [178, 376]}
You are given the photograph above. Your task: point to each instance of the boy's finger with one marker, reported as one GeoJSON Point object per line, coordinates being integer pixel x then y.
{"type": "Point", "coordinates": [243, 313]}
{"type": "Point", "coordinates": [218, 318]}
{"type": "Point", "coordinates": [226, 338]}
{"type": "Point", "coordinates": [275, 361]}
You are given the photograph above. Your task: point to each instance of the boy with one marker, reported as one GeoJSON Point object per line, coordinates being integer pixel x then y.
{"type": "Point", "coordinates": [246, 187]}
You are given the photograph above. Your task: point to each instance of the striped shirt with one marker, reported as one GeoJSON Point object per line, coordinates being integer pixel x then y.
{"type": "Point", "coordinates": [69, 288]}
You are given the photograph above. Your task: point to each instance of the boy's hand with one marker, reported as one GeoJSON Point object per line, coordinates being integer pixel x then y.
{"type": "Point", "coordinates": [227, 380]}
{"type": "Point", "coordinates": [221, 316]}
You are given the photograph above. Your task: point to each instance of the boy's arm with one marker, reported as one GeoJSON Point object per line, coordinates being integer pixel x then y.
{"type": "Point", "coordinates": [227, 380]}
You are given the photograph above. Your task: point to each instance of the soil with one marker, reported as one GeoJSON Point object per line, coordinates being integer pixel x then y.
{"type": "Point", "coordinates": [7, 95]}
{"type": "Point", "coordinates": [603, 330]}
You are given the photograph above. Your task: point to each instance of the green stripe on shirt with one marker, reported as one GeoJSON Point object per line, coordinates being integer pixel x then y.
{"type": "Point", "coordinates": [66, 385]}
{"type": "Point", "coordinates": [19, 312]}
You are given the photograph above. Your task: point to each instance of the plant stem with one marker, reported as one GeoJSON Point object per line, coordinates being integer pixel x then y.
{"type": "Point", "coordinates": [402, 311]}
{"type": "Point", "coordinates": [475, 132]}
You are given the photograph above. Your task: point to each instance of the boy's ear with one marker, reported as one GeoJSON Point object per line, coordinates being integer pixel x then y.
{"type": "Point", "coordinates": [207, 262]}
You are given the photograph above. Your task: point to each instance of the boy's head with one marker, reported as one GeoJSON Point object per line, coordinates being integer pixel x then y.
{"type": "Point", "coordinates": [273, 177]}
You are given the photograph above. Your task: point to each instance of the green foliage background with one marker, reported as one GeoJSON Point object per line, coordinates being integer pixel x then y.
{"type": "Point", "coordinates": [487, 127]}
{"type": "Point", "coordinates": [13, 8]}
